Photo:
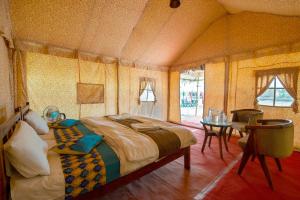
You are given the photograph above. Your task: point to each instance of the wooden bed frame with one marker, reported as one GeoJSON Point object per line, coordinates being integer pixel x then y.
{"type": "Point", "coordinates": [7, 128]}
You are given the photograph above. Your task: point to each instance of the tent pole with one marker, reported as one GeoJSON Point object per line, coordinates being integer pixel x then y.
{"type": "Point", "coordinates": [196, 111]}
{"type": "Point", "coordinates": [118, 92]}
{"type": "Point", "coordinates": [226, 84]}
{"type": "Point", "coordinates": [168, 97]}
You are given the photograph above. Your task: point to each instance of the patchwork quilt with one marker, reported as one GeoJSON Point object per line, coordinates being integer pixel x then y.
{"type": "Point", "coordinates": [84, 173]}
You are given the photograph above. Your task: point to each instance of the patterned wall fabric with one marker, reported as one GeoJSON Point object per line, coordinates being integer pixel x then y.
{"type": "Point", "coordinates": [242, 86]}
{"type": "Point", "coordinates": [52, 80]}
{"type": "Point", "coordinates": [6, 97]}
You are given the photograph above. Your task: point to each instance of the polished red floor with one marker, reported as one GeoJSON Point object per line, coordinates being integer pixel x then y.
{"type": "Point", "coordinates": [252, 184]}
{"type": "Point", "coordinates": [173, 181]}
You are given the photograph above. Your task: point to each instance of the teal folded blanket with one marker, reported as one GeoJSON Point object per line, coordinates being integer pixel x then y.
{"type": "Point", "coordinates": [68, 122]}
{"type": "Point", "coordinates": [87, 143]}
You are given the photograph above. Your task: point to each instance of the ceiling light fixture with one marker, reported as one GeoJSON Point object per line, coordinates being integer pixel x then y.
{"type": "Point", "coordinates": [174, 3]}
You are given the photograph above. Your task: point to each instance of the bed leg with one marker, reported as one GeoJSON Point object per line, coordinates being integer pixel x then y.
{"type": "Point", "coordinates": [187, 158]}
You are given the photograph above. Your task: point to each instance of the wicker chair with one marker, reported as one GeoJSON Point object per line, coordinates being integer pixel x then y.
{"type": "Point", "coordinates": [274, 138]}
{"type": "Point", "coordinates": [243, 117]}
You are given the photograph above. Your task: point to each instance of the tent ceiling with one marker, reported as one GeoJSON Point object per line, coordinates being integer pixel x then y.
{"type": "Point", "coordinates": [278, 7]}
{"type": "Point", "coordinates": [141, 31]}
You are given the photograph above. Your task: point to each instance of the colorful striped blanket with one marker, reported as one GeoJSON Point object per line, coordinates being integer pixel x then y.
{"type": "Point", "coordinates": [84, 173]}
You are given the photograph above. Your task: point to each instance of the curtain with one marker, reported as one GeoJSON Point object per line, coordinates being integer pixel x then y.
{"type": "Point", "coordinates": [143, 85]}
{"type": "Point", "coordinates": [19, 78]}
{"type": "Point", "coordinates": [152, 85]}
{"type": "Point", "coordinates": [263, 79]}
{"type": "Point", "coordinates": [288, 78]}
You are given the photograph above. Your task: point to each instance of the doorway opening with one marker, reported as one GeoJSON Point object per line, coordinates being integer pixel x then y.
{"type": "Point", "coordinates": [192, 96]}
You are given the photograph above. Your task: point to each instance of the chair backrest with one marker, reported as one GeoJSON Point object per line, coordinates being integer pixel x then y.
{"type": "Point", "coordinates": [275, 137]}
{"type": "Point", "coordinates": [247, 115]}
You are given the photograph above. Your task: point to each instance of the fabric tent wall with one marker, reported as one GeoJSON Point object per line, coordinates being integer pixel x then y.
{"type": "Point", "coordinates": [6, 97]}
{"type": "Point", "coordinates": [240, 33]}
{"type": "Point", "coordinates": [214, 86]}
{"type": "Point", "coordinates": [5, 22]}
{"type": "Point", "coordinates": [5, 87]}
{"type": "Point", "coordinates": [52, 81]}
{"type": "Point", "coordinates": [242, 85]}
{"type": "Point", "coordinates": [129, 78]}
{"type": "Point", "coordinates": [214, 90]}
{"type": "Point", "coordinates": [174, 101]}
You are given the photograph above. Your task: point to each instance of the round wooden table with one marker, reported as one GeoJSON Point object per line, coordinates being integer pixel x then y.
{"type": "Point", "coordinates": [219, 134]}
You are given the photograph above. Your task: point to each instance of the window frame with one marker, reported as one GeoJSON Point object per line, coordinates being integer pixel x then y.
{"type": "Point", "coordinates": [147, 92]}
{"type": "Point", "coordinates": [148, 80]}
{"type": "Point", "coordinates": [274, 96]}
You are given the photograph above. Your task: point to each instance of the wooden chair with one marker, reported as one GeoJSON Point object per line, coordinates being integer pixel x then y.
{"type": "Point", "coordinates": [274, 138]}
{"type": "Point", "coordinates": [243, 117]}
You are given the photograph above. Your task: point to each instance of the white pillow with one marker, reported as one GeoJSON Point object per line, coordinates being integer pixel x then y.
{"type": "Point", "coordinates": [27, 152]}
{"type": "Point", "coordinates": [37, 122]}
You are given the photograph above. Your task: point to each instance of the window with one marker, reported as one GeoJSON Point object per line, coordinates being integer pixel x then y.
{"type": "Point", "coordinates": [276, 95]}
{"type": "Point", "coordinates": [147, 88]}
{"type": "Point", "coordinates": [147, 94]}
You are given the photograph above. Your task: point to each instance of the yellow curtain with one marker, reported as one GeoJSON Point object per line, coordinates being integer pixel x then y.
{"type": "Point", "coordinates": [288, 78]}
{"type": "Point", "coordinates": [263, 80]}
{"type": "Point", "coordinates": [19, 78]}
{"type": "Point", "coordinates": [143, 85]}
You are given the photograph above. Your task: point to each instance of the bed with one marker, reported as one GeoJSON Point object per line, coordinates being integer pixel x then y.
{"type": "Point", "coordinates": [138, 152]}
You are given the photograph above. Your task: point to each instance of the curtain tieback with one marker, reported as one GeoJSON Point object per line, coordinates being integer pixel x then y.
{"type": "Point", "coordinates": [295, 106]}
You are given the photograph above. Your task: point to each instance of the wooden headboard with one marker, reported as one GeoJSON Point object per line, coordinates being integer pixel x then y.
{"type": "Point", "coordinates": [6, 130]}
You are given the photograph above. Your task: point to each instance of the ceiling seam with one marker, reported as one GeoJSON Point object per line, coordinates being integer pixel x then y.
{"type": "Point", "coordinates": [200, 34]}
{"type": "Point", "coordinates": [156, 35]}
{"type": "Point", "coordinates": [122, 49]}
{"type": "Point", "coordinates": [241, 10]}
{"type": "Point", "coordinates": [94, 35]}
{"type": "Point", "coordinates": [223, 6]}
{"type": "Point", "coordinates": [87, 24]}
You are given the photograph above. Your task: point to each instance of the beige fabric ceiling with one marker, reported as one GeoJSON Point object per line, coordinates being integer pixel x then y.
{"type": "Point", "coordinates": [239, 33]}
{"type": "Point", "coordinates": [146, 32]}
{"type": "Point", "coordinates": [278, 7]}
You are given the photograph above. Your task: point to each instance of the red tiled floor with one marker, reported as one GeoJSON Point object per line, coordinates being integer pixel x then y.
{"type": "Point", "coordinates": [173, 181]}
